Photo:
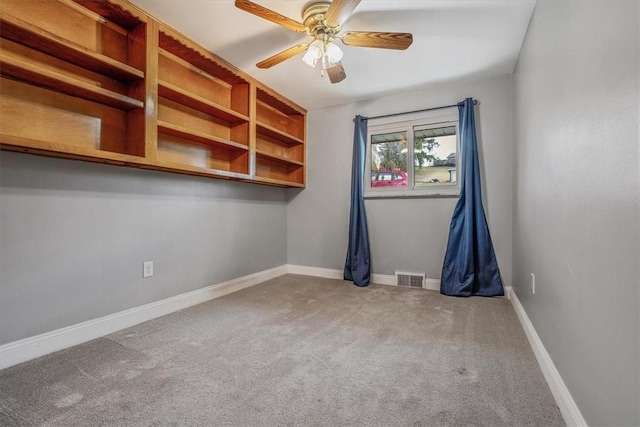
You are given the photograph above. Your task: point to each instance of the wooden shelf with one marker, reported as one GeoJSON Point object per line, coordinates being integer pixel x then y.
{"type": "Point", "coordinates": [278, 182]}
{"type": "Point", "coordinates": [199, 103]}
{"type": "Point", "coordinates": [18, 68]}
{"type": "Point", "coordinates": [28, 145]}
{"type": "Point", "coordinates": [280, 159]}
{"type": "Point", "coordinates": [201, 137]}
{"type": "Point", "coordinates": [200, 171]}
{"type": "Point", "coordinates": [277, 134]}
{"type": "Point", "coordinates": [22, 32]}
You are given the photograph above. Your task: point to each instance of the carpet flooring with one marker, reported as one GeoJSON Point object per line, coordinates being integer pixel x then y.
{"type": "Point", "coordinates": [295, 351]}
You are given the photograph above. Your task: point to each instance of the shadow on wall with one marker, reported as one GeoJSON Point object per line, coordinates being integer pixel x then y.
{"type": "Point", "coordinates": [28, 171]}
{"type": "Point", "coordinates": [292, 193]}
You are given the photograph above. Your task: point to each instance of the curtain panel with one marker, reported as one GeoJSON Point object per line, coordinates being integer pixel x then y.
{"type": "Point", "coordinates": [357, 266]}
{"type": "Point", "coordinates": [470, 266]}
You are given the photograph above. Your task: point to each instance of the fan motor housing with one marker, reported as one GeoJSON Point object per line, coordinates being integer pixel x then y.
{"type": "Point", "coordinates": [313, 18]}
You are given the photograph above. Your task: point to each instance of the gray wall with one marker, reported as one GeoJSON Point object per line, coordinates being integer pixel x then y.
{"type": "Point", "coordinates": [408, 234]}
{"type": "Point", "coordinates": [576, 214]}
{"type": "Point", "coordinates": [74, 235]}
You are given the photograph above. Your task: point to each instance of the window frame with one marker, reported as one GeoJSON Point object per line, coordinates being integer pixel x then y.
{"type": "Point", "coordinates": [408, 123]}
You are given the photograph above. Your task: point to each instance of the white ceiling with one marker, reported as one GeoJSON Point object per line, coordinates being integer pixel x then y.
{"type": "Point", "coordinates": [452, 40]}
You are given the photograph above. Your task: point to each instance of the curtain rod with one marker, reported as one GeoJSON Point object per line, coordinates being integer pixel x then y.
{"type": "Point", "coordinates": [475, 102]}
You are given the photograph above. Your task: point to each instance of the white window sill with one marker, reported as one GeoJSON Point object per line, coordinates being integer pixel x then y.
{"type": "Point", "coordinates": [431, 194]}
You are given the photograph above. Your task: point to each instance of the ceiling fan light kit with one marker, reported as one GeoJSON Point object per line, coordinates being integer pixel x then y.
{"type": "Point", "coordinates": [329, 52]}
{"type": "Point", "coordinates": [323, 21]}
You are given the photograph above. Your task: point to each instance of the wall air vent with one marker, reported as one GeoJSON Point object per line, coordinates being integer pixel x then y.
{"type": "Point", "coordinates": [410, 280]}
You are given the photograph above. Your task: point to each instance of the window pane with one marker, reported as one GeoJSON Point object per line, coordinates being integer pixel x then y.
{"type": "Point", "coordinates": [435, 156]}
{"type": "Point", "coordinates": [389, 160]}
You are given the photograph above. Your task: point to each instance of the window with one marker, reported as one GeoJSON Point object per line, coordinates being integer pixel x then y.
{"type": "Point", "coordinates": [413, 158]}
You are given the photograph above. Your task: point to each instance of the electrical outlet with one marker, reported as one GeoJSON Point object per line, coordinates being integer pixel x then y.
{"type": "Point", "coordinates": [533, 283]}
{"type": "Point", "coordinates": [147, 269]}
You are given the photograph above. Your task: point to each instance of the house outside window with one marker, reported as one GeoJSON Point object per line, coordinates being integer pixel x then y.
{"type": "Point", "coordinates": [413, 157]}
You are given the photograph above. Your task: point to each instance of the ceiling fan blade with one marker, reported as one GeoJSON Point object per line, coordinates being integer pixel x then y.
{"type": "Point", "coordinates": [270, 15]}
{"type": "Point", "coordinates": [336, 73]}
{"type": "Point", "coordinates": [282, 56]}
{"type": "Point", "coordinates": [399, 41]}
{"type": "Point", "coordinates": [339, 11]}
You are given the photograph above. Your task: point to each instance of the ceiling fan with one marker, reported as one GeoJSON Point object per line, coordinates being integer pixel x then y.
{"type": "Point", "coordinates": [323, 21]}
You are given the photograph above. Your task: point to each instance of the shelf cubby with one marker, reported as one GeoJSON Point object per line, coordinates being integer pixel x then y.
{"type": "Point", "coordinates": [278, 117]}
{"type": "Point", "coordinates": [277, 135]}
{"type": "Point", "coordinates": [65, 123]}
{"type": "Point", "coordinates": [267, 145]}
{"type": "Point", "coordinates": [270, 169]}
{"type": "Point", "coordinates": [198, 75]}
{"type": "Point", "coordinates": [177, 94]}
{"type": "Point", "coordinates": [176, 147]}
{"type": "Point", "coordinates": [64, 32]}
{"type": "Point", "coordinates": [20, 69]}
{"type": "Point", "coordinates": [201, 122]}
{"type": "Point", "coordinates": [189, 134]}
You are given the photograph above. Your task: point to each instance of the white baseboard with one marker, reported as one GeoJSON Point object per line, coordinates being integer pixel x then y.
{"type": "Point", "coordinates": [432, 284]}
{"type": "Point", "coordinates": [326, 273]}
{"type": "Point", "coordinates": [383, 279]}
{"type": "Point", "coordinates": [29, 348]}
{"type": "Point", "coordinates": [330, 273]}
{"type": "Point", "coordinates": [564, 400]}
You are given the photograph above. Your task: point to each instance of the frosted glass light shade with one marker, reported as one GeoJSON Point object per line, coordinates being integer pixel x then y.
{"type": "Point", "coordinates": [334, 53]}
{"type": "Point", "coordinates": [313, 53]}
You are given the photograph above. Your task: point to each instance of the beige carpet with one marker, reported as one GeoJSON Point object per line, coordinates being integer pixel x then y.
{"type": "Point", "coordinates": [295, 351]}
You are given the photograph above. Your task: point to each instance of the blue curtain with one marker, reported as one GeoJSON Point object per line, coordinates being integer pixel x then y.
{"type": "Point", "coordinates": [357, 266]}
{"type": "Point", "coordinates": [470, 265]}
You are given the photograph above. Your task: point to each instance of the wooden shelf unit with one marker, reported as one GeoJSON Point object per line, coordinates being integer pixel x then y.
{"type": "Point", "coordinates": [280, 134]}
{"type": "Point", "coordinates": [101, 80]}
{"type": "Point", "coordinates": [203, 108]}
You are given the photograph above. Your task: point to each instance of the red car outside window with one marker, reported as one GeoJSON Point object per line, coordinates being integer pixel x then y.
{"type": "Point", "coordinates": [389, 179]}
